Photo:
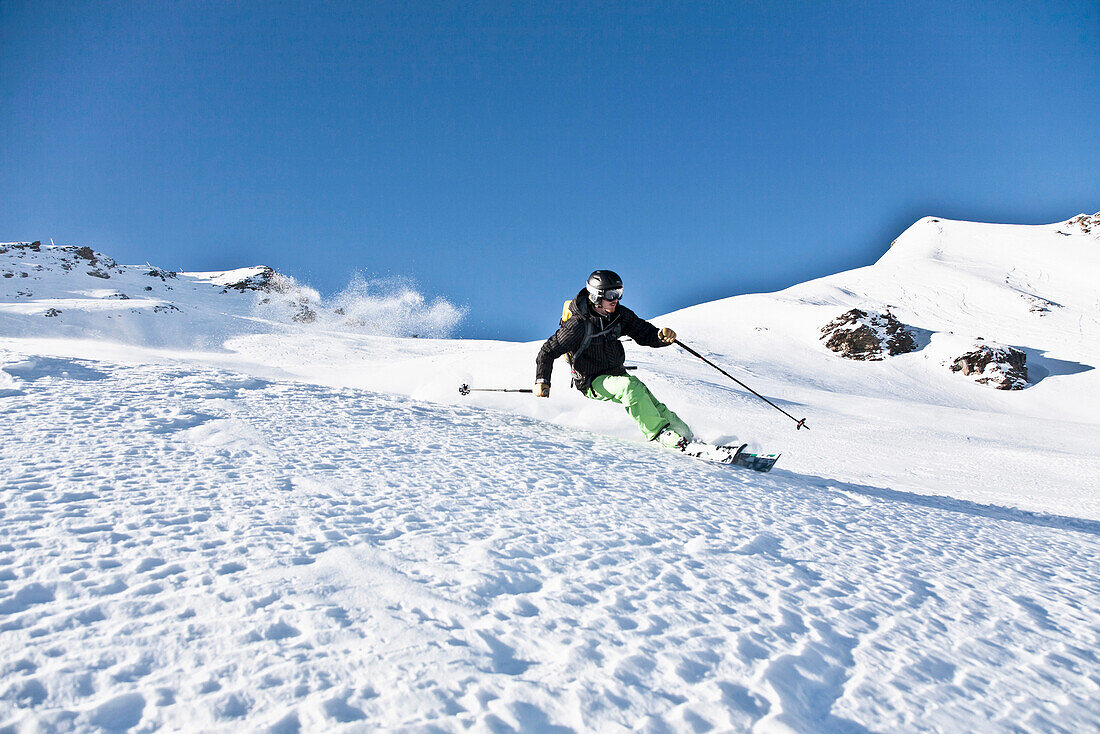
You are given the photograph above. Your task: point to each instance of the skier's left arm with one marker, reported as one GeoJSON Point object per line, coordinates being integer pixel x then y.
{"type": "Point", "coordinates": [646, 333]}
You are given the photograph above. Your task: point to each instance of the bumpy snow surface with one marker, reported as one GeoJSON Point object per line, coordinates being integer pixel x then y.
{"type": "Point", "coordinates": [308, 529]}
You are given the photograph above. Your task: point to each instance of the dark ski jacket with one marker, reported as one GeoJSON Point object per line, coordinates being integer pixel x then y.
{"type": "Point", "coordinates": [604, 353]}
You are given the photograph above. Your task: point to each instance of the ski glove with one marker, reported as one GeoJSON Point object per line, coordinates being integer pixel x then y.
{"type": "Point", "coordinates": [666, 335]}
{"type": "Point", "coordinates": [542, 390]}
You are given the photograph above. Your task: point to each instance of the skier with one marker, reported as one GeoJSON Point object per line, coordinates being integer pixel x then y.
{"type": "Point", "coordinates": [589, 336]}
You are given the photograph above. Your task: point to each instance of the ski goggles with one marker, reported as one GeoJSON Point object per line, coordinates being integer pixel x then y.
{"type": "Point", "coordinates": [615, 294]}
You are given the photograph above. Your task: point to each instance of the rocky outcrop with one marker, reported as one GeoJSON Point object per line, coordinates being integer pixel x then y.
{"type": "Point", "coordinates": [101, 264]}
{"type": "Point", "coordinates": [996, 365]}
{"type": "Point", "coordinates": [864, 335]}
{"type": "Point", "coordinates": [265, 279]}
{"type": "Point", "coordinates": [35, 246]}
{"type": "Point", "coordinates": [1086, 223]}
{"type": "Point", "coordinates": [164, 275]}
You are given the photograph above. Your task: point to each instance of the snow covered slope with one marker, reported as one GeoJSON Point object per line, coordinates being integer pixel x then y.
{"type": "Point", "coordinates": [237, 516]}
{"type": "Point", "coordinates": [83, 294]}
{"type": "Point", "coordinates": [1032, 287]}
{"type": "Point", "coordinates": [908, 421]}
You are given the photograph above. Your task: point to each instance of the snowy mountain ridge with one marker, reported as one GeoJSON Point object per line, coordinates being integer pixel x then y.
{"type": "Point", "coordinates": [91, 295]}
{"type": "Point", "coordinates": [939, 275]}
{"type": "Point", "coordinates": [222, 514]}
{"type": "Point", "coordinates": [956, 285]}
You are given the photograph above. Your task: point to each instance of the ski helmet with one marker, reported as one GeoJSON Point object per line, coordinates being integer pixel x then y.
{"type": "Point", "coordinates": [604, 284]}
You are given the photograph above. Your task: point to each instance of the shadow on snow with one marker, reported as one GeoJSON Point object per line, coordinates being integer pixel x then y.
{"type": "Point", "coordinates": [951, 504]}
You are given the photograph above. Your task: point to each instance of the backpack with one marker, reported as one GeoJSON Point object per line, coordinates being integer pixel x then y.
{"type": "Point", "coordinates": [589, 334]}
{"type": "Point", "coordinates": [566, 314]}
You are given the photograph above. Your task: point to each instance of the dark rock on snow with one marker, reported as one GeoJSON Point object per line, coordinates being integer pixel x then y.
{"type": "Point", "coordinates": [1086, 223]}
{"type": "Point", "coordinates": [159, 273]}
{"type": "Point", "coordinates": [265, 280]}
{"type": "Point", "coordinates": [999, 366]}
{"type": "Point", "coordinates": [864, 335]}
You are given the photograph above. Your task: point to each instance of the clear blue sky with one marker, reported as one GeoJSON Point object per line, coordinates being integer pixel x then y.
{"type": "Point", "coordinates": [497, 152]}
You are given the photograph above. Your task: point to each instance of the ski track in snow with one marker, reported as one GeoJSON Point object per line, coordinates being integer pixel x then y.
{"type": "Point", "coordinates": [190, 548]}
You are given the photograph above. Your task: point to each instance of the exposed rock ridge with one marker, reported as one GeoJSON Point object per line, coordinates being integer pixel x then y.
{"type": "Point", "coordinates": [996, 365]}
{"type": "Point", "coordinates": [868, 335]}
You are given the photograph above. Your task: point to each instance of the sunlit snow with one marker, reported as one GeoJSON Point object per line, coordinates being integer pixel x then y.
{"type": "Point", "coordinates": [220, 513]}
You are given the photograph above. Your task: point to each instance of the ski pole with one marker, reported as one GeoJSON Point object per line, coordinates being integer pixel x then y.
{"type": "Point", "coordinates": [466, 389]}
{"type": "Point", "coordinates": [689, 350]}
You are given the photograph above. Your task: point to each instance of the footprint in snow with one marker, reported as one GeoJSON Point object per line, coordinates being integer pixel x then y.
{"type": "Point", "coordinates": [502, 658]}
{"type": "Point", "coordinates": [120, 713]}
{"type": "Point", "coordinates": [181, 422]}
{"type": "Point", "coordinates": [28, 596]}
{"type": "Point", "coordinates": [340, 710]}
{"type": "Point", "coordinates": [25, 693]}
{"type": "Point", "coordinates": [280, 631]}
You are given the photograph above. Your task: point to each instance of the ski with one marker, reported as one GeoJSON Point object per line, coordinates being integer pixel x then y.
{"type": "Point", "coordinates": [756, 462]}
{"type": "Point", "coordinates": [735, 455]}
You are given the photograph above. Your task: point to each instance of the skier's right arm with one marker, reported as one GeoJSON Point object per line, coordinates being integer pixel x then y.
{"type": "Point", "coordinates": [567, 339]}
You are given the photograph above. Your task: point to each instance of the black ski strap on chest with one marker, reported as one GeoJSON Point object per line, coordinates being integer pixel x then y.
{"type": "Point", "coordinates": [590, 333]}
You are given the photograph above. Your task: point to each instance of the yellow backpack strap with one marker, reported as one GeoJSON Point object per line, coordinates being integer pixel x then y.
{"type": "Point", "coordinates": [566, 314]}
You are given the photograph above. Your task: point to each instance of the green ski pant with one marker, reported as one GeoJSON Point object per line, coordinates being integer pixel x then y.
{"type": "Point", "coordinates": [649, 413]}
